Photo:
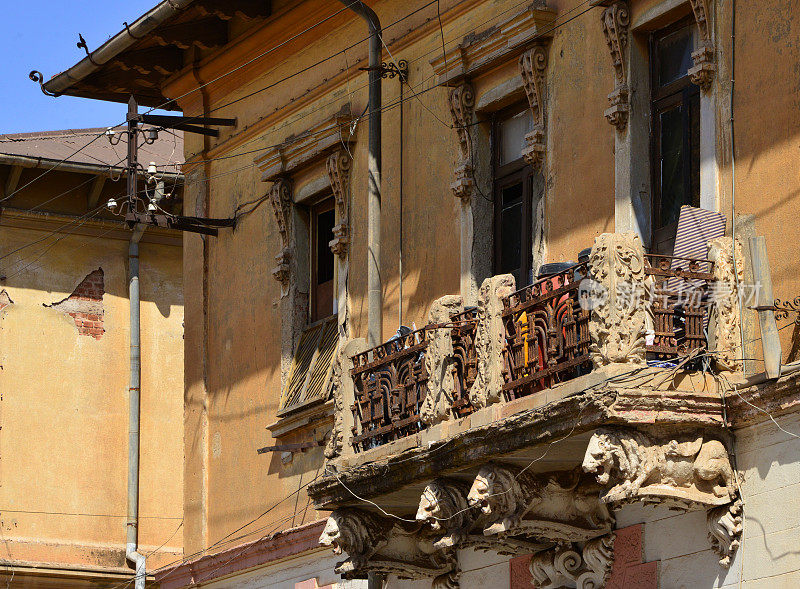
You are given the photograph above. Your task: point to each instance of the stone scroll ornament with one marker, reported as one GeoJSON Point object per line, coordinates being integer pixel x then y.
{"type": "Point", "coordinates": [280, 197]}
{"type": "Point", "coordinates": [439, 361]}
{"type": "Point", "coordinates": [490, 340]}
{"type": "Point", "coordinates": [567, 565]}
{"type": "Point", "coordinates": [616, 296]}
{"type": "Point", "coordinates": [339, 165]}
{"type": "Point", "coordinates": [686, 472]}
{"type": "Point", "coordinates": [532, 69]}
{"type": "Point", "coordinates": [725, 340]}
{"type": "Point", "coordinates": [704, 68]}
{"type": "Point", "coordinates": [462, 105]}
{"type": "Point", "coordinates": [375, 543]}
{"type": "Point", "coordinates": [616, 21]}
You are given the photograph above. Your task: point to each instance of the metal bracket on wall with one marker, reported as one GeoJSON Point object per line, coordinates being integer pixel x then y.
{"type": "Point", "coordinates": [390, 70]}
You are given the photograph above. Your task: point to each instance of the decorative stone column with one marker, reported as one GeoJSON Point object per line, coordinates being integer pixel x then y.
{"type": "Point", "coordinates": [617, 299]}
{"type": "Point", "coordinates": [439, 361]}
{"type": "Point", "coordinates": [725, 341]}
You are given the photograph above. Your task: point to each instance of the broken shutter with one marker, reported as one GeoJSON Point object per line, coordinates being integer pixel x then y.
{"type": "Point", "coordinates": [310, 375]}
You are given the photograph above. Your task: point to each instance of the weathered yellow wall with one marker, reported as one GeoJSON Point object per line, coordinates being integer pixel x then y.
{"type": "Point", "coordinates": [64, 406]}
{"type": "Point", "coordinates": [233, 319]}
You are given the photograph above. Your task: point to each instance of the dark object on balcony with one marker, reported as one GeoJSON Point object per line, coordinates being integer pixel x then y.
{"type": "Point", "coordinates": [553, 268]}
{"type": "Point", "coordinates": [583, 255]}
{"type": "Point", "coordinates": [547, 331]}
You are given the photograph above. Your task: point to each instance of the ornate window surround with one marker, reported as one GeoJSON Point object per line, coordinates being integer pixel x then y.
{"type": "Point", "coordinates": [321, 156]}
{"type": "Point", "coordinates": [524, 38]}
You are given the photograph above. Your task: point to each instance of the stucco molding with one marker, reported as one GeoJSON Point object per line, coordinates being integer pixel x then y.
{"type": "Point", "coordinates": [723, 327]}
{"type": "Point", "coordinates": [490, 340]}
{"type": "Point", "coordinates": [461, 100]}
{"type": "Point", "coordinates": [704, 69]}
{"type": "Point", "coordinates": [725, 530]}
{"type": "Point", "coordinates": [440, 360]}
{"type": "Point", "coordinates": [339, 164]}
{"type": "Point", "coordinates": [484, 50]}
{"type": "Point", "coordinates": [616, 23]}
{"type": "Point", "coordinates": [618, 313]}
{"type": "Point", "coordinates": [533, 70]}
{"type": "Point", "coordinates": [280, 197]}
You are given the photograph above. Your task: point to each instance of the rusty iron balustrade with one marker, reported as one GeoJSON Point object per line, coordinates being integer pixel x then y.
{"type": "Point", "coordinates": [547, 333]}
{"type": "Point", "coordinates": [679, 299]}
{"type": "Point", "coordinates": [391, 382]}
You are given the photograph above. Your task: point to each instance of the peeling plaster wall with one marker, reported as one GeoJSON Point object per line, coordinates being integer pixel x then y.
{"type": "Point", "coordinates": [64, 408]}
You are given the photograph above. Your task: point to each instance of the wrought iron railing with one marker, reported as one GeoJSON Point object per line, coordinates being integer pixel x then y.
{"type": "Point", "coordinates": [547, 333]}
{"type": "Point", "coordinates": [465, 365]}
{"type": "Point", "coordinates": [680, 296]}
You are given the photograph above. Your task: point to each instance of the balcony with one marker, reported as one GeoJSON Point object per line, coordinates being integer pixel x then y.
{"type": "Point", "coordinates": [584, 388]}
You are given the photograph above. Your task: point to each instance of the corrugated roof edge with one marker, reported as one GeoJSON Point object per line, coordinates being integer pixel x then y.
{"type": "Point", "coordinates": [61, 83]}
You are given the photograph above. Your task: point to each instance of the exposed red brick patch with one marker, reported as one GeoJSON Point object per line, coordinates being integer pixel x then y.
{"type": "Point", "coordinates": [5, 300]}
{"type": "Point", "coordinates": [628, 571]}
{"type": "Point", "coordinates": [85, 305]}
{"type": "Point", "coordinates": [521, 577]}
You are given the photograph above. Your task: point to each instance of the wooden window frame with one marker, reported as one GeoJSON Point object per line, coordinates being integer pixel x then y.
{"type": "Point", "coordinates": [504, 175]}
{"type": "Point", "coordinates": [323, 205]}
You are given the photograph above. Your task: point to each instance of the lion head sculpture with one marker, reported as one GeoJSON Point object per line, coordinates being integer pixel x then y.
{"type": "Point", "coordinates": [623, 453]}
{"type": "Point", "coordinates": [358, 533]}
{"type": "Point", "coordinates": [443, 507]}
{"type": "Point", "coordinates": [599, 458]}
{"type": "Point", "coordinates": [496, 492]}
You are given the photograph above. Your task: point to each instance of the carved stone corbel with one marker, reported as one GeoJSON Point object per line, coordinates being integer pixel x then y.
{"type": "Point", "coordinates": [723, 326]}
{"type": "Point", "coordinates": [462, 105]}
{"type": "Point", "coordinates": [532, 68]}
{"type": "Point", "coordinates": [617, 299]}
{"type": "Point", "coordinates": [339, 164]}
{"type": "Point", "coordinates": [280, 196]}
{"type": "Point", "coordinates": [616, 20]}
{"type": "Point", "coordinates": [685, 472]}
{"type": "Point", "coordinates": [439, 361]}
{"type": "Point", "coordinates": [725, 530]}
{"type": "Point", "coordinates": [702, 73]}
{"type": "Point", "coordinates": [490, 340]}
{"type": "Point", "coordinates": [375, 543]}
{"type": "Point", "coordinates": [558, 507]}
{"type": "Point", "coordinates": [566, 565]}
{"type": "Point", "coordinates": [444, 509]}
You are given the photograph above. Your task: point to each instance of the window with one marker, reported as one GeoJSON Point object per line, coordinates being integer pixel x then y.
{"type": "Point", "coordinates": [514, 198]}
{"type": "Point", "coordinates": [675, 149]}
{"type": "Point", "coordinates": [323, 219]}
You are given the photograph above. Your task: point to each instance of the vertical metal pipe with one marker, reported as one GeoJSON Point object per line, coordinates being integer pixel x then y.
{"type": "Point", "coordinates": [134, 388]}
{"type": "Point", "coordinates": [374, 287]}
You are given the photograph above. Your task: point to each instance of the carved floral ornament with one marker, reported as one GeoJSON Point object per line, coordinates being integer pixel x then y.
{"type": "Point", "coordinates": [616, 22]}
{"type": "Point", "coordinates": [702, 73]}
{"type": "Point", "coordinates": [280, 197]}
{"type": "Point", "coordinates": [462, 109]}
{"type": "Point", "coordinates": [532, 68]}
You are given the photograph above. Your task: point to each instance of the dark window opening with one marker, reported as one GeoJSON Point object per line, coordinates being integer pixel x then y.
{"type": "Point", "coordinates": [675, 148]}
{"type": "Point", "coordinates": [323, 219]}
{"type": "Point", "coordinates": [514, 198]}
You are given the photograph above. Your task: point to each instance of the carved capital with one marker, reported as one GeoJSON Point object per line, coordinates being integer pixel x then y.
{"type": "Point", "coordinates": [723, 326]}
{"type": "Point", "coordinates": [702, 73]}
{"type": "Point", "coordinates": [684, 472]}
{"type": "Point", "coordinates": [532, 68]}
{"type": "Point", "coordinates": [616, 20]}
{"type": "Point", "coordinates": [282, 271]}
{"type": "Point", "coordinates": [566, 565]}
{"type": "Point", "coordinates": [462, 105]}
{"type": "Point", "coordinates": [616, 298]}
{"type": "Point", "coordinates": [490, 340]}
{"type": "Point", "coordinates": [339, 165]}
{"type": "Point", "coordinates": [440, 360]}
{"type": "Point", "coordinates": [619, 108]}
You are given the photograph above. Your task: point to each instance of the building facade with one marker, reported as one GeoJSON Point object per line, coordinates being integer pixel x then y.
{"type": "Point", "coordinates": [64, 343]}
{"type": "Point", "coordinates": [547, 353]}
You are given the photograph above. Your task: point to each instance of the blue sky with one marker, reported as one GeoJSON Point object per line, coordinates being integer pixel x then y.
{"type": "Point", "coordinates": [41, 35]}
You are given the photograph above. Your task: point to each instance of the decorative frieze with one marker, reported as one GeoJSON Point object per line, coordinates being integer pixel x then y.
{"type": "Point", "coordinates": [618, 306]}
{"type": "Point", "coordinates": [462, 105]}
{"type": "Point", "coordinates": [439, 361]}
{"type": "Point", "coordinates": [280, 197]}
{"type": "Point", "coordinates": [723, 326]}
{"type": "Point", "coordinates": [616, 22]}
{"type": "Point", "coordinates": [490, 340]}
{"type": "Point", "coordinates": [339, 165]}
{"type": "Point", "coordinates": [702, 73]}
{"type": "Point", "coordinates": [532, 68]}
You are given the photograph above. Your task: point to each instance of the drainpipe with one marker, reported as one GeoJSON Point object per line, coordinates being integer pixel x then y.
{"type": "Point", "coordinates": [132, 542]}
{"type": "Point", "coordinates": [374, 188]}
